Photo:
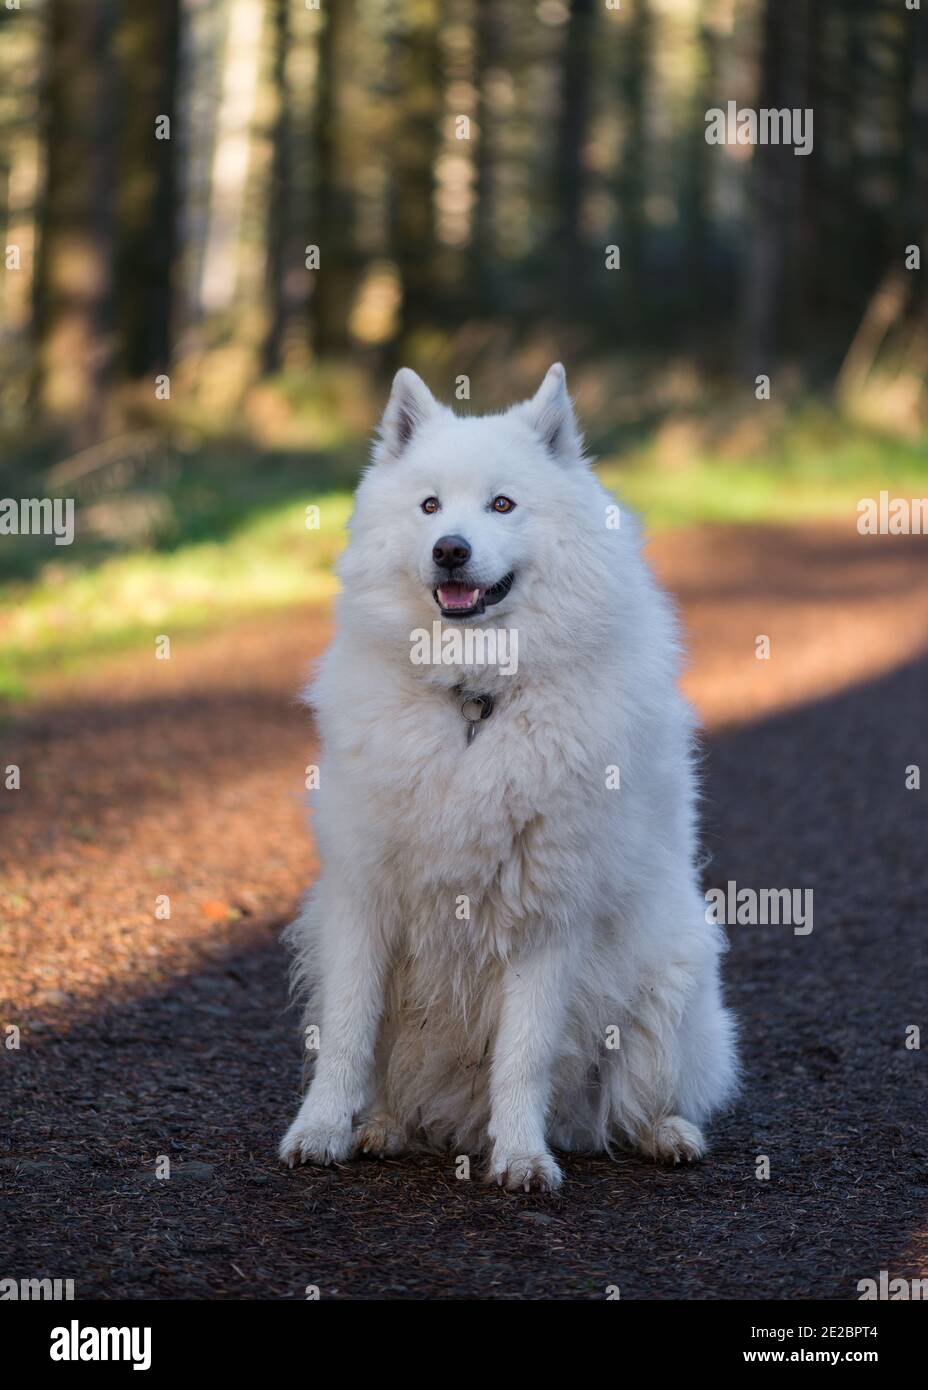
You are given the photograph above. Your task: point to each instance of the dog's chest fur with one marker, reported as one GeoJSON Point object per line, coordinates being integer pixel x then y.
{"type": "Point", "coordinates": [468, 839]}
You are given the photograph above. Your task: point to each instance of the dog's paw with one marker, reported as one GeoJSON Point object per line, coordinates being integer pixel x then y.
{"type": "Point", "coordinates": [316, 1140]}
{"type": "Point", "coordinates": [526, 1172]}
{"type": "Point", "coordinates": [675, 1140]}
{"type": "Point", "coordinates": [380, 1137]}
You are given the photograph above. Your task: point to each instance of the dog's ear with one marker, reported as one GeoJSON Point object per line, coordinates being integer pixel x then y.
{"type": "Point", "coordinates": [411, 403]}
{"type": "Point", "coordinates": [551, 415]}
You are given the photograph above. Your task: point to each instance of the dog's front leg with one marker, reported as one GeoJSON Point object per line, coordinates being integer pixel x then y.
{"type": "Point", "coordinates": [352, 997]}
{"type": "Point", "coordinates": [533, 1013]}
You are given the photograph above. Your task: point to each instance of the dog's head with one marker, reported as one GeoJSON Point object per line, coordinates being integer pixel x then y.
{"type": "Point", "coordinates": [479, 519]}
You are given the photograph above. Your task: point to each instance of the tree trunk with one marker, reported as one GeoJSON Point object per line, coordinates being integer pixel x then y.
{"type": "Point", "coordinates": [149, 39]}
{"type": "Point", "coordinates": [569, 252]}
{"type": "Point", "coordinates": [416, 148]}
{"type": "Point", "coordinates": [915, 198]}
{"type": "Point", "coordinates": [483, 241]}
{"type": "Point", "coordinates": [229, 176]}
{"type": "Point", "coordinates": [278, 207]}
{"type": "Point", "coordinates": [696, 175]}
{"type": "Point", "coordinates": [331, 210]}
{"type": "Point", "coordinates": [632, 188]}
{"type": "Point", "coordinates": [73, 299]}
{"type": "Point", "coordinates": [775, 177]}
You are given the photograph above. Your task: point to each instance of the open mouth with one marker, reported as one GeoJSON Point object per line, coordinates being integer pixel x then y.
{"type": "Point", "coordinates": [458, 599]}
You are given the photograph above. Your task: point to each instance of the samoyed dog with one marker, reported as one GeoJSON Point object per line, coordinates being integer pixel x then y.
{"type": "Point", "coordinates": [507, 950]}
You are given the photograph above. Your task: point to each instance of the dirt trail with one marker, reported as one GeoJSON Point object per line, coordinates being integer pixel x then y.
{"type": "Point", "coordinates": [143, 1037]}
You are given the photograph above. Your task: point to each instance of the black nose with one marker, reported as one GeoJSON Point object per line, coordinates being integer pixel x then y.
{"type": "Point", "coordinates": [451, 551]}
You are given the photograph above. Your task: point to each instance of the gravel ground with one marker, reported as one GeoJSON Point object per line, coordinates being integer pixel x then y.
{"type": "Point", "coordinates": [143, 1037]}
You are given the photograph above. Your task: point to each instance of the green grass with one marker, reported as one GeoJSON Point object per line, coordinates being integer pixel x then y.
{"type": "Point", "coordinates": [68, 616]}
{"type": "Point", "coordinates": [815, 470]}
{"type": "Point", "coordinates": [230, 537]}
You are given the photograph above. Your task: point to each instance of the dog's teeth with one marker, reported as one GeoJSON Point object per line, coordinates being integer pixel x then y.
{"type": "Point", "coordinates": [458, 598]}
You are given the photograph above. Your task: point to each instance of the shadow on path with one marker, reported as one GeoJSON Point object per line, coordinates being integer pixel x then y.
{"type": "Point", "coordinates": [206, 1072]}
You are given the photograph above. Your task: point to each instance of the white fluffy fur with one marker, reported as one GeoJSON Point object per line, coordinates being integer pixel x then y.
{"type": "Point", "coordinates": [490, 1034]}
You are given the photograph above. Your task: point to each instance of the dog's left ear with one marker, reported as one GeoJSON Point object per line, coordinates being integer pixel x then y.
{"type": "Point", "coordinates": [551, 414]}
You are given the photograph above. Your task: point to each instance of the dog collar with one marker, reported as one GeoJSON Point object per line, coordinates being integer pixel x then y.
{"type": "Point", "coordinates": [474, 709]}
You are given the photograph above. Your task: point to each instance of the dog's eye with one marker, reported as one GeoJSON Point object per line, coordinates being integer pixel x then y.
{"type": "Point", "coordinates": [430, 505]}
{"type": "Point", "coordinates": [503, 504]}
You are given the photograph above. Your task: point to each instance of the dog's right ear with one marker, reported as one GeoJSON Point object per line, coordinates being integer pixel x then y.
{"type": "Point", "coordinates": [411, 403]}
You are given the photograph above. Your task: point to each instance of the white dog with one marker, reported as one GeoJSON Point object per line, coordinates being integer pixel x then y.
{"type": "Point", "coordinates": [507, 949]}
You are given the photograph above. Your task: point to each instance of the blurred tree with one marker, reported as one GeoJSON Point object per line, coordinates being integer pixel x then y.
{"type": "Point", "coordinates": [148, 50]}
{"type": "Point", "coordinates": [337, 128]}
{"type": "Point", "coordinates": [914, 118]}
{"type": "Point", "coordinates": [418, 75]}
{"type": "Point", "coordinates": [228, 227]}
{"type": "Point", "coordinates": [570, 248]}
{"type": "Point", "coordinates": [632, 185]}
{"type": "Point", "coordinates": [487, 46]}
{"type": "Point", "coordinates": [330, 219]}
{"type": "Point", "coordinates": [697, 165]}
{"type": "Point", "coordinates": [21, 38]}
{"type": "Point", "coordinates": [279, 202]}
{"type": "Point", "coordinates": [782, 62]}
{"type": "Point", "coordinates": [73, 285]}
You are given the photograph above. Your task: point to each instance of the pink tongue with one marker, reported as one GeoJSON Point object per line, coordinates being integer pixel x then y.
{"type": "Point", "coordinates": [457, 595]}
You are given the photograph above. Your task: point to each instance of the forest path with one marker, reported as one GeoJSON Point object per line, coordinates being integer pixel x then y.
{"type": "Point", "coordinates": [143, 1037]}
